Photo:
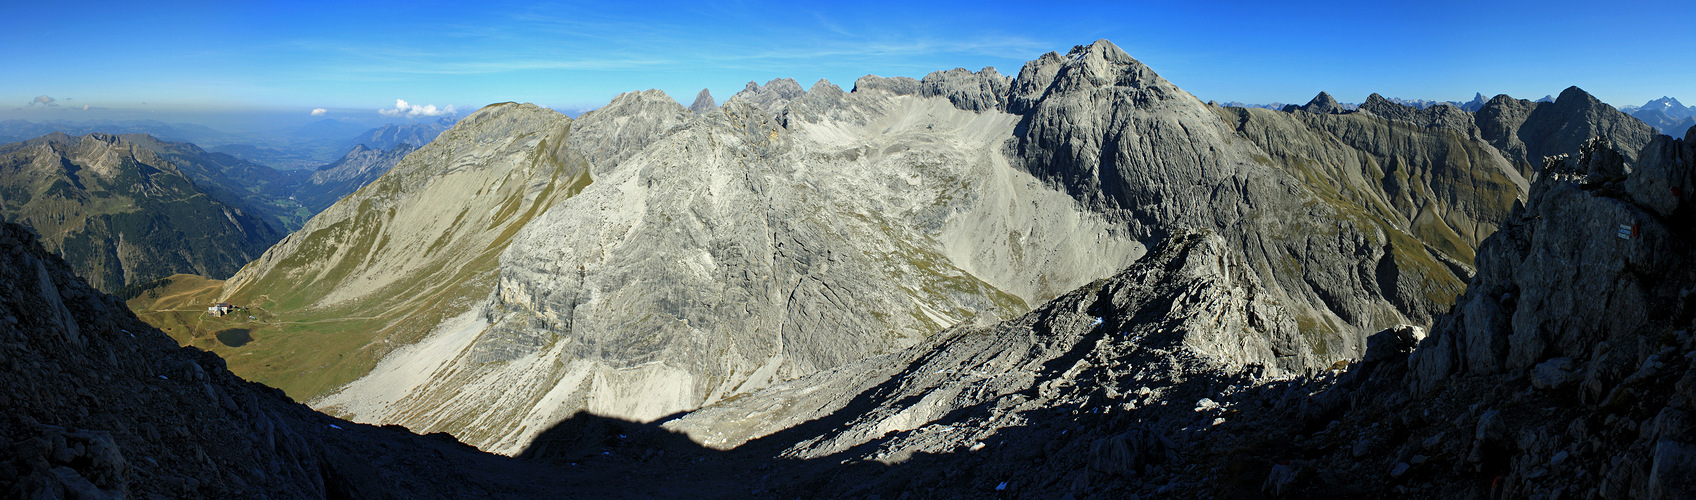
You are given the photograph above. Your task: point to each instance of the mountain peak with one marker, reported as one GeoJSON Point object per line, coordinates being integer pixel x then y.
{"type": "Point", "coordinates": [704, 103]}
{"type": "Point", "coordinates": [1324, 104]}
{"type": "Point", "coordinates": [1107, 50]}
{"type": "Point", "coordinates": [1097, 65]}
{"type": "Point", "coordinates": [772, 96]}
{"type": "Point", "coordinates": [1572, 93]}
{"type": "Point", "coordinates": [824, 86]}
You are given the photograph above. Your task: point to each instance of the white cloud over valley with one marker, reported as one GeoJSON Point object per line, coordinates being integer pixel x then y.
{"type": "Point", "coordinates": [320, 112]}
{"type": "Point", "coordinates": [409, 110]}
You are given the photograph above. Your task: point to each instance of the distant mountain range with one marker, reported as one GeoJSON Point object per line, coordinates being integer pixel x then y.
{"type": "Point", "coordinates": [126, 210]}
{"type": "Point", "coordinates": [305, 147]}
{"type": "Point", "coordinates": [391, 135]}
{"type": "Point", "coordinates": [1667, 115]}
{"type": "Point", "coordinates": [20, 130]}
{"type": "Point", "coordinates": [359, 167]}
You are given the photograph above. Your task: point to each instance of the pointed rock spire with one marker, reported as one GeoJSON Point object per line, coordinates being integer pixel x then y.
{"type": "Point", "coordinates": [704, 103]}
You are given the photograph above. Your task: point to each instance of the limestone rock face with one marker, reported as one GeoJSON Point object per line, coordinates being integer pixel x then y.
{"type": "Point", "coordinates": [1126, 142]}
{"type": "Point", "coordinates": [1189, 314]}
{"type": "Point", "coordinates": [1564, 275]}
{"type": "Point", "coordinates": [1568, 366]}
{"type": "Point", "coordinates": [899, 85]}
{"type": "Point", "coordinates": [1435, 116]}
{"type": "Point", "coordinates": [982, 91]}
{"type": "Point", "coordinates": [734, 251]}
{"type": "Point", "coordinates": [632, 121]}
{"type": "Point", "coordinates": [794, 232]}
{"type": "Point", "coordinates": [770, 97]}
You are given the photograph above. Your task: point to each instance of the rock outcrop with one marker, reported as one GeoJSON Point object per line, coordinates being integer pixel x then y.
{"type": "Point", "coordinates": [1593, 263]}
{"type": "Point", "coordinates": [770, 97]}
{"type": "Point", "coordinates": [1128, 143]}
{"type": "Point", "coordinates": [899, 85]}
{"type": "Point", "coordinates": [1186, 318]}
{"type": "Point", "coordinates": [1564, 370]}
{"type": "Point", "coordinates": [984, 90]}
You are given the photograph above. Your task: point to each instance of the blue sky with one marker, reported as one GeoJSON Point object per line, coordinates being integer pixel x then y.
{"type": "Point", "coordinates": [353, 58]}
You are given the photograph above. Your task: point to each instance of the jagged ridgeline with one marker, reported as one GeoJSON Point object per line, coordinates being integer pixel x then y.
{"type": "Point", "coordinates": [127, 210]}
{"type": "Point", "coordinates": [646, 259]}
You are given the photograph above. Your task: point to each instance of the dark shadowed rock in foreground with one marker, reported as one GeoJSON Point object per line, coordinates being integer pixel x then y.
{"type": "Point", "coordinates": [1568, 369]}
{"type": "Point", "coordinates": [99, 404]}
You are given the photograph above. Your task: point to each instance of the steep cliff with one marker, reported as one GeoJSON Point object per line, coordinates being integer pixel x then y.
{"type": "Point", "coordinates": [1565, 370]}
{"type": "Point", "coordinates": [1309, 199]}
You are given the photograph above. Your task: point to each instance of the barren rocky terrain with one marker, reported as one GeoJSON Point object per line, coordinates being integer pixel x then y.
{"type": "Point", "coordinates": [1076, 281]}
